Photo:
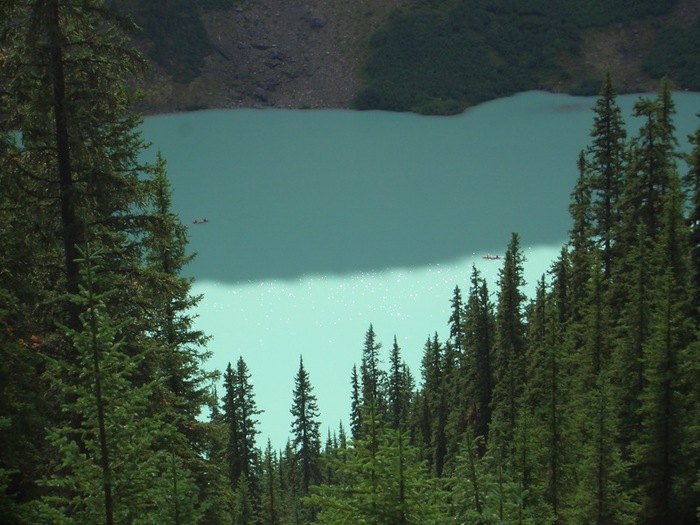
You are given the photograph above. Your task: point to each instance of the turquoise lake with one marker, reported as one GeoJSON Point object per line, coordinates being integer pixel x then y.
{"type": "Point", "coordinates": [322, 222]}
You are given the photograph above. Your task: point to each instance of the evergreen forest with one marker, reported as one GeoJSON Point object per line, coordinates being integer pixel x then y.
{"type": "Point", "coordinates": [441, 56]}
{"type": "Point", "coordinates": [579, 405]}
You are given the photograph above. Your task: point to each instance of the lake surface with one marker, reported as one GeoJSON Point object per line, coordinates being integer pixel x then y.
{"type": "Point", "coordinates": [322, 222]}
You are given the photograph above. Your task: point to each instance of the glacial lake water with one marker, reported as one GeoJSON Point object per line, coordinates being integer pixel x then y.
{"type": "Point", "coordinates": [322, 222]}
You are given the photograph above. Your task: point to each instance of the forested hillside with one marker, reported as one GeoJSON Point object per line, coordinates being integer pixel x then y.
{"type": "Point", "coordinates": [437, 56]}
{"type": "Point", "coordinates": [579, 405]}
{"type": "Point", "coordinates": [443, 56]}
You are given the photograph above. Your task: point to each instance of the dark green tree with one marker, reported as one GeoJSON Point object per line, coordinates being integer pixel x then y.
{"type": "Point", "coordinates": [580, 240]}
{"type": "Point", "coordinates": [543, 403]}
{"type": "Point", "coordinates": [117, 470]}
{"type": "Point", "coordinates": [217, 492]}
{"type": "Point", "coordinates": [456, 323]}
{"type": "Point", "coordinates": [270, 488]}
{"type": "Point", "coordinates": [399, 389]}
{"type": "Point", "coordinates": [239, 412]}
{"type": "Point", "coordinates": [692, 184]}
{"type": "Point", "coordinates": [484, 492]}
{"type": "Point", "coordinates": [72, 170]}
{"type": "Point", "coordinates": [355, 405]}
{"type": "Point", "coordinates": [306, 438]}
{"type": "Point", "coordinates": [657, 446]}
{"type": "Point", "coordinates": [371, 375]}
{"type": "Point", "coordinates": [605, 170]}
{"type": "Point", "coordinates": [509, 348]}
{"type": "Point", "coordinates": [479, 334]}
{"type": "Point", "coordinates": [652, 161]}
{"type": "Point", "coordinates": [383, 482]}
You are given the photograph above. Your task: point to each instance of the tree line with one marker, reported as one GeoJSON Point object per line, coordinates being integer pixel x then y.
{"type": "Point", "coordinates": [440, 56]}
{"type": "Point", "coordinates": [579, 405]}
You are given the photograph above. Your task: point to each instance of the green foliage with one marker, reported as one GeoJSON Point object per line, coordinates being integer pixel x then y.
{"type": "Point", "coordinates": [509, 348]}
{"type": "Point", "coordinates": [382, 481]}
{"type": "Point", "coordinates": [579, 408]}
{"type": "Point", "coordinates": [119, 383]}
{"type": "Point", "coordinates": [676, 54]}
{"type": "Point", "coordinates": [239, 412]}
{"type": "Point", "coordinates": [442, 56]}
{"type": "Point", "coordinates": [306, 437]}
{"type": "Point", "coordinates": [483, 492]}
{"type": "Point", "coordinates": [109, 468]}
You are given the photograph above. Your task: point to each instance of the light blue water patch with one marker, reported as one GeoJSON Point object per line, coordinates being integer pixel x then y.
{"type": "Point", "coordinates": [322, 222]}
{"type": "Point", "coordinates": [324, 318]}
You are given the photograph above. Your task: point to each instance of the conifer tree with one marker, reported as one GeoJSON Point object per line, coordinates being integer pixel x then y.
{"type": "Point", "coordinates": [290, 481]}
{"type": "Point", "coordinates": [601, 472]}
{"type": "Point", "coordinates": [580, 239]}
{"type": "Point", "coordinates": [433, 415]}
{"type": "Point", "coordinates": [355, 405]}
{"type": "Point", "coordinates": [632, 332]}
{"type": "Point", "coordinates": [432, 367]}
{"type": "Point", "coordinates": [399, 389]}
{"type": "Point", "coordinates": [76, 176]}
{"type": "Point", "coordinates": [306, 438]}
{"type": "Point", "coordinates": [68, 63]}
{"type": "Point", "coordinates": [270, 488]}
{"type": "Point", "coordinates": [652, 161]}
{"type": "Point", "coordinates": [692, 184]}
{"type": "Point", "coordinates": [605, 165]}
{"type": "Point", "coordinates": [22, 410]}
{"type": "Point", "coordinates": [659, 442]}
{"type": "Point", "coordinates": [167, 317]}
{"type": "Point", "coordinates": [484, 492]}
{"type": "Point", "coordinates": [371, 375]}
{"type": "Point", "coordinates": [384, 482]}
{"type": "Point", "coordinates": [217, 492]}
{"type": "Point", "coordinates": [455, 321]}
{"type": "Point", "coordinates": [244, 512]}
{"type": "Point", "coordinates": [479, 336]}
{"type": "Point", "coordinates": [543, 400]}
{"type": "Point", "coordinates": [239, 412]}
{"type": "Point", "coordinates": [116, 471]}
{"type": "Point", "coordinates": [509, 348]}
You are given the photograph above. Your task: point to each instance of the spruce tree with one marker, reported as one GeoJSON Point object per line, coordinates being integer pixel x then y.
{"type": "Point", "coordinates": [479, 336]}
{"type": "Point", "coordinates": [270, 488]}
{"type": "Point", "coordinates": [355, 405]}
{"type": "Point", "coordinates": [580, 240]}
{"type": "Point", "coordinates": [657, 446]}
{"type": "Point", "coordinates": [600, 471]}
{"type": "Point", "coordinates": [543, 401]}
{"type": "Point", "coordinates": [399, 389]}
{"type": "Point", "coordinates": [509, 348]}
{"type": "Point", "coordinates": [239, 412]}
{"type": "Point", "coordinates": [306, 439]}
{"type": "Point", "coordinates": [116, 471]}
{"type": "Point", "coordinates": [605, 166]}
{"type": "Point", "coordinates": [74, 177]}
{"type": "Point", "coordinates": [652, 161]}
{"type": "Point", "coordinates": [383, 482]}
{"type": "Point", "coordinates": [692, 185]}
{"type": "Point", "coordinates": [371, 375]}
{"type": "Point", "coordinates": [455, 321]}
{"type": "Point", "coordinates": [217, 492]}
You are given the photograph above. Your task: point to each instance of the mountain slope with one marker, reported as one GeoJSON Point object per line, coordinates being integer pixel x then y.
{"type": "Point", "coordinates": [319, 54]}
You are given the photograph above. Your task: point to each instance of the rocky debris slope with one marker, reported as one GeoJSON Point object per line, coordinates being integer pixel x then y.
{"type": "Point", "coordinates": [276, 53]}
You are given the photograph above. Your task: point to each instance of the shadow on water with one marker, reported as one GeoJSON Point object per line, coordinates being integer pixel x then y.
{"type": "Point", "coordinates": [294, 193]}
{"type": "Point", "coordinates": [348, 231]}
